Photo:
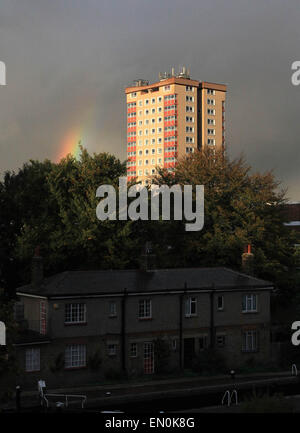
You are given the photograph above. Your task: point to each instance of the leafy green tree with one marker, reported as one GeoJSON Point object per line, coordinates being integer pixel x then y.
{"type": "Point", "coordinates": [241, 208]}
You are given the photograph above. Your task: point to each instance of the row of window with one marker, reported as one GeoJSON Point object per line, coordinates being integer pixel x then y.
{"type": "Point", "coordinates": [146, 151]}
{"type": "Point", "coordinates": [146, 131]}
{"type": "Point", "coordinates": [131, 104]}
{"type": "Point", "coordinates": [153, 162]}
{"type": "Point", "coordinates": [152, 111]}
{"type": "Point", "coordinates": [170, 97]}
{"type": "Point", "coordinates": [76, 312]}
{"type": "Point", "coordinates": [170, 108]}
{"type": "Point", "coordinates": [76, 354]}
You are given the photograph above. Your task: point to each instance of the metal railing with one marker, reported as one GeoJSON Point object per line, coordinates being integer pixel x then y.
{"type": "Point", "coordinates": [66, 397]}
{"type": "Point", "coordinates": [294, 370]}
{"type": "Point", "coordinates": [230, 397]}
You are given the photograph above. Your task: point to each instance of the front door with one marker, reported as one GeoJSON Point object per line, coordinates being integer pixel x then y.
{"type": "Point", "coordinates": [148, 358]}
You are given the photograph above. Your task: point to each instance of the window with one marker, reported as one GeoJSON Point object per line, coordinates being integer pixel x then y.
{"type": "Point", "coordinates": [146, 151]}
{"type": "Point", "coordinates": [153, 163]}
{"type": "Point", "coordinates": [211, 111]}
{"type": "Point", "coordinates": [146, 112]}
{"type": "Point", "coordinates": [140, 172]}
{"type": "Point", "coordinates": [211, 121]}
{"type": "Point", "coordinates": [145, 309]}
{"type": "Point", "coordinates": [146, 162]}
{"type": "Point", "coordinates": [140, 162]}
{"type": "Point", "coordinates": [211, 102]}
{"type": "Point", "coordinates": [112, 309]}
{"type": "Point", "coordinates": [189, 150]}
{"type": "Point", "coordinates": [166, 88]}
{"type": "Point", "coordinates": [211, 132]}
{"type": "Point", "coordinates": [159, 161]}
{"type": "Point", "coordinates": [189, 119]}
{"type": "Point", "coordinates": [191, 307]}
{"type": "Point", "coordinates": [32, 359]}
{"type": "Point", "coordinates": [153, 101]}
{"type": "Point", "coordinates": [133, 95]}
{"type": "Point", "coordinates": [159, 99]}
{"type": "Point", "coordinates": [189, 109]}
{"type": "Point", "coordinates": [189, 98]}
{"type": "Point", "coordinates": [75, 356]}
{"type": "Point", "coordinates": [147, 122]}
{"type": "Point", "coordinates": [203, 343]}
{"type": "Point", "coordinates": [112, 349]}
{"type": "Point", "coordinates": [159, 119]}
{"type": "Point", "coordinates": [43, 318]}
{"type": "Point", "coordinates": [249, 303]}
{"type": "Point", "coordinates": [250, 341]}
{"type": "Point", "coordinates": [153, 111]}
{"type": "Point", "coordinates": [211, 141]}
{"type": "Point", "coordinates": [153, 141]}
{"type": "Point", "coordinates": [133, 350]}
{"type": "Point", "coordinates": [189, 129]}
{"type": "Point", "coordinates": [220, 340]}
{"type": "Point", "coordinates": [174, 344]}
{"type": "Point", "coordinates": [189, 88]}
{"type": "Point", "coordinates": [146, 101]}
{"type": "Point", "coordinates": [189, 139]}
{"type": "Point", "coordinates": [211, 92]}
{"type": "Point", "coordinates": [75, 313]}
{"type": "Point", "coordinates": [153, 131]}
{"type": "Point", "coordinates": [140, 103]}
{"type": "Point", "coordinates": [153, 151]}
{"type": "Point", "coordinates": [159, 109]}
{"type": "Point", "coordinates": [220, 303]}
{"type": "Point", "coordinates": [159, 150]}
{"type": "Point", "coordinates": [140, 123]}
{"type": "Point", "coordinates": [153, 120]}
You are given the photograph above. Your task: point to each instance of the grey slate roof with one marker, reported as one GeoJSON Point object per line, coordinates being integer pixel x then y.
{"type": "Point", "coordinates": [115, 281]}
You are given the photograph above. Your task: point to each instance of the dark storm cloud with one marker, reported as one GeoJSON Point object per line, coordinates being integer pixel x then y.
{"type": "Point", "coordinates": [68, 63]}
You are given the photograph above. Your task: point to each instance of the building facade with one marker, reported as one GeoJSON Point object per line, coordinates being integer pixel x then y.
{"type": "Point", "coordinates": [87, 325]}
{"type": "Point", "coordinates": [169, 119]}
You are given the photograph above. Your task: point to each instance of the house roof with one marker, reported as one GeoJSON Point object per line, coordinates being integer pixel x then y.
{"type": "Point", "coordinates": [84, 283]}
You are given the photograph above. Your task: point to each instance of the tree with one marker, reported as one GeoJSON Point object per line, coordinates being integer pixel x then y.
{"type": "Point", "coordinates": [240, 208]}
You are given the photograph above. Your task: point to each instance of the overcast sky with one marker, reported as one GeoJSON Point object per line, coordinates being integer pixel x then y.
{"type": "Point", "coordinates": [68, 62]}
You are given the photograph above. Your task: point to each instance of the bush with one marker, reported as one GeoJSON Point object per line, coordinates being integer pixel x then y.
{"type": "Point", "coordinates": [209, 362]}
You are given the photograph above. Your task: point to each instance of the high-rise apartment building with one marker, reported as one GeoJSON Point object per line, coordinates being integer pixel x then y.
{"type": "Point", "coordinates": [169, 119]}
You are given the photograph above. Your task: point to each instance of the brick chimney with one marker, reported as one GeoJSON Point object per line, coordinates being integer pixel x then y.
{"type": "Point", "coordinates": [247, 260]}
{"type": "Point", "coordinates": [37, 269]}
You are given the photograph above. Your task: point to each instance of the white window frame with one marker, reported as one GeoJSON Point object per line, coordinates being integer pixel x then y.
{"type": "Point", "coordinates": [112, 309]}
{"type": "Point", "coordinates": [222, 306]}
{"type": "Point", "coordinates": [189, 302]}
{"type": "Point", "coordinates": [250, 340]}
{"type": "Point", "coordinates": [145, 309]}
{"type": "Point", "coordinates": [76, 310]}
{"type": "Point", "coordinates": [249, 303]}
{"type": "Point", "coordinates": [75, 356]}
{"type": "Point", "coordinates": [32, 359]}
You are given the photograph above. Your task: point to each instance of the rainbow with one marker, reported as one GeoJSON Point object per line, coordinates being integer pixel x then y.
{"type": "Point", "coordinates": [70, 144]}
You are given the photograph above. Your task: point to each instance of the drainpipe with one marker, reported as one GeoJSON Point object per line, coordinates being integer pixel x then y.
{"type": "Point", "coordinates": [181, 300]}
{"type": "Point", "coordinates": [212, 318]}
{"type": "Point", "coordinates": [123, 332]}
